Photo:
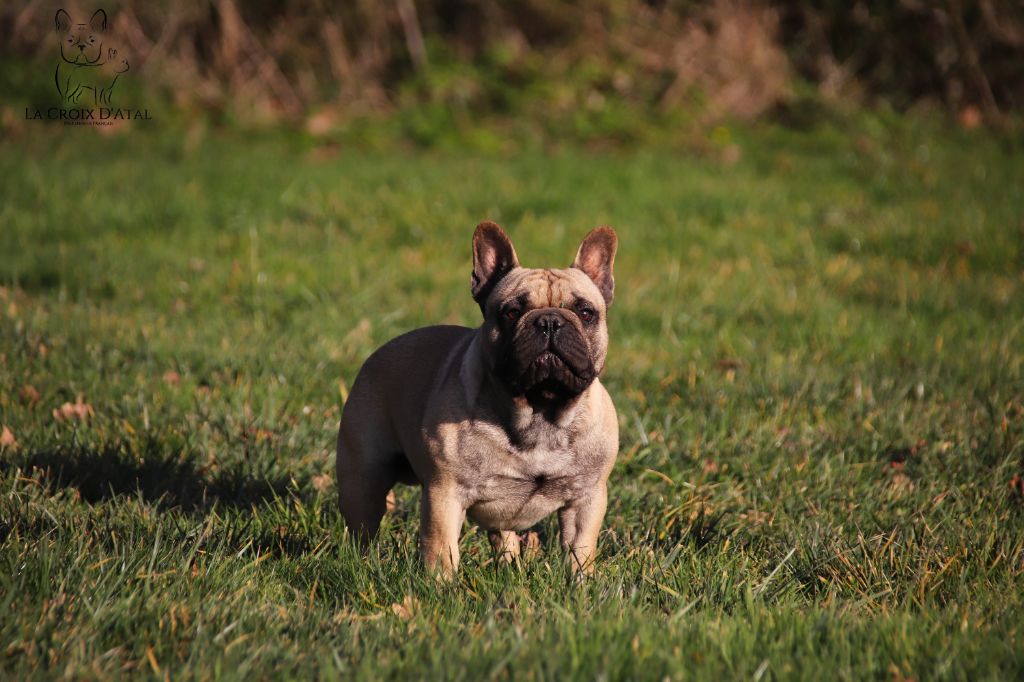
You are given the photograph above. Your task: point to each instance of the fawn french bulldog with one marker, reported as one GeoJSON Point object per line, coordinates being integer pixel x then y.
{"type": "Point", "coordinates": [505, 423]}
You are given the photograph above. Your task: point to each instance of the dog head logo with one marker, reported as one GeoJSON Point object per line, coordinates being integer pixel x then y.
{"type": "Point", "coordinates": [88, 68]}
{"type": "Point", "coordinates": [81, 44]}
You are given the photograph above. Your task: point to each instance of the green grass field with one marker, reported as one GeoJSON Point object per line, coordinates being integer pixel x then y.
{"type": "Point", "coordinates": [816, 357]}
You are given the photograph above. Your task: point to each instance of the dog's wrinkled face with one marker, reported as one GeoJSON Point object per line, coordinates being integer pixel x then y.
{"type": "Point", "coordinates": [81, 44]}
{"type": "Point", "coordinates": [545, 330]}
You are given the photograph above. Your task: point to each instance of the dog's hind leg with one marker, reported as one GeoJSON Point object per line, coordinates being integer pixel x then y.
{"type": "Point", "coordinates": [363, 498]}
{"type": "Point", "coordinates": [368, 465]}
{"type": "Point", "coordinates": [506, 544]}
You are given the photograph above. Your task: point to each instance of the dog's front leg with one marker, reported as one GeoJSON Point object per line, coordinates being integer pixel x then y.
{"type": "Point", "coordinates": [580, 522]}
{"type": "Point", "coordinates": [441, 517]}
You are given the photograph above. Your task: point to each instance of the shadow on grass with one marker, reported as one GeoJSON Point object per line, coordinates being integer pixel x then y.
{"type": "Point", "coordinates": [163, 478]}
{"type": "Point", "coordinates": [171, 483]}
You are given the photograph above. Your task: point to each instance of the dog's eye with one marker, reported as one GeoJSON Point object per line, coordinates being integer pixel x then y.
{"type": "Point", "coordinates": [587, 314]}
{"type": "Point", "coordinates": [512, 313]}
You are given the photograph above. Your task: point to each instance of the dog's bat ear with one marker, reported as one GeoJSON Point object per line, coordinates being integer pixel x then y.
{"type": "Point", "coordinates": [98, 22]}
{"type": "Point", "coordinates": [596, 258]}
{"type": "Point", "coordinates": [62, 21]}
{"type": "Point", "coordinates": [493, 258]}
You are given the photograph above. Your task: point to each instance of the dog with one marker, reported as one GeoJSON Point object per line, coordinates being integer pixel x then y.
{"type": "Point", "coordinates": [85, 68]}
{"type": "Point", "coordinates": [505, 423]}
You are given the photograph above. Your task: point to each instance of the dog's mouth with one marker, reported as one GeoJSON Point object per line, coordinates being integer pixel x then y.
{"type": "Point", "coordinates": [81, 54]}
{"type": "Point", "coordinates": [549, 392]}
{"type": "Point", "coordinates": [553, 378]}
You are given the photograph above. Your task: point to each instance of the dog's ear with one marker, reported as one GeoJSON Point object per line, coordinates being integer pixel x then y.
{"type": "Point", "coordinates": [98, 22]}
{"type": "Point", "coordinates": [493, 258]}
{"type": "Point", "coordinates": [62, 21]}
{"type": "Point", "coordinates": [596, 258]}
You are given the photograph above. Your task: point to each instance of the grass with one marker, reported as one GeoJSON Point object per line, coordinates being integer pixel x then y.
{"type": "Point", "coordinates": [816, 358]}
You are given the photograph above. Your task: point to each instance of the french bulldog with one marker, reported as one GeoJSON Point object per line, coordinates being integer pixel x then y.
{"type": "Point", "coordinates": [85, 67]}
{"type": "Point", "coordinates": [505, 423]}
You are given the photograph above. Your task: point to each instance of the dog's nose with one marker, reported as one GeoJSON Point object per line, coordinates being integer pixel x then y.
{"type": "Point", "coordinates": [549, 323]}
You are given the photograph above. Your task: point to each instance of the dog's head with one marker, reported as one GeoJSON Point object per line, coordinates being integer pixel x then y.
{"type": "Point", "coordinates": [114, 64]}
{"type": "Point", "coordinates": [545, 330]}
{"type": "Point", "coordinates": [81, 44]}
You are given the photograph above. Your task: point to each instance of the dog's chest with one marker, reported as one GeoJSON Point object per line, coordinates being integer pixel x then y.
{"type": "Point", "coordinates": [512, 488]}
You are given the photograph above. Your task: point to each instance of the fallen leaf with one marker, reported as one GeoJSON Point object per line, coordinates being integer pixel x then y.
{"type": "Point", "coordinates": [726, 364]}
{"type": "Point", "coordinates": [28, 394]}
{"type": "Point", "coordinates": [7, 439]}
{"type": "Point", "coordinates": [78, 410]}
{"type": "Point", "coordinates": [896, 675]}
{"type": "Point", "coordinates": [322, 482]}
{"type": "Point", "coordinates": [897, 456]}
{"type": "Point", "coordinates": [1016, 486]}
{"type": "Point", "coordinates": [965, 248]}
{"type": "Point", "coordinates": [901, 483]}
{"type": "Point", "coordinates": [407, 609]}
{"type": "Point", "coordinates": [756, 517]}
{"type": "Point", "coordinates": [172, 378]}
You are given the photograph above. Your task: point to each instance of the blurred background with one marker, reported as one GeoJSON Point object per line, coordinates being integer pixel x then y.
{"type": "Point", "coordinates": [817, 360]}
{"type": "Point", "coordinates": [496, 74]}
